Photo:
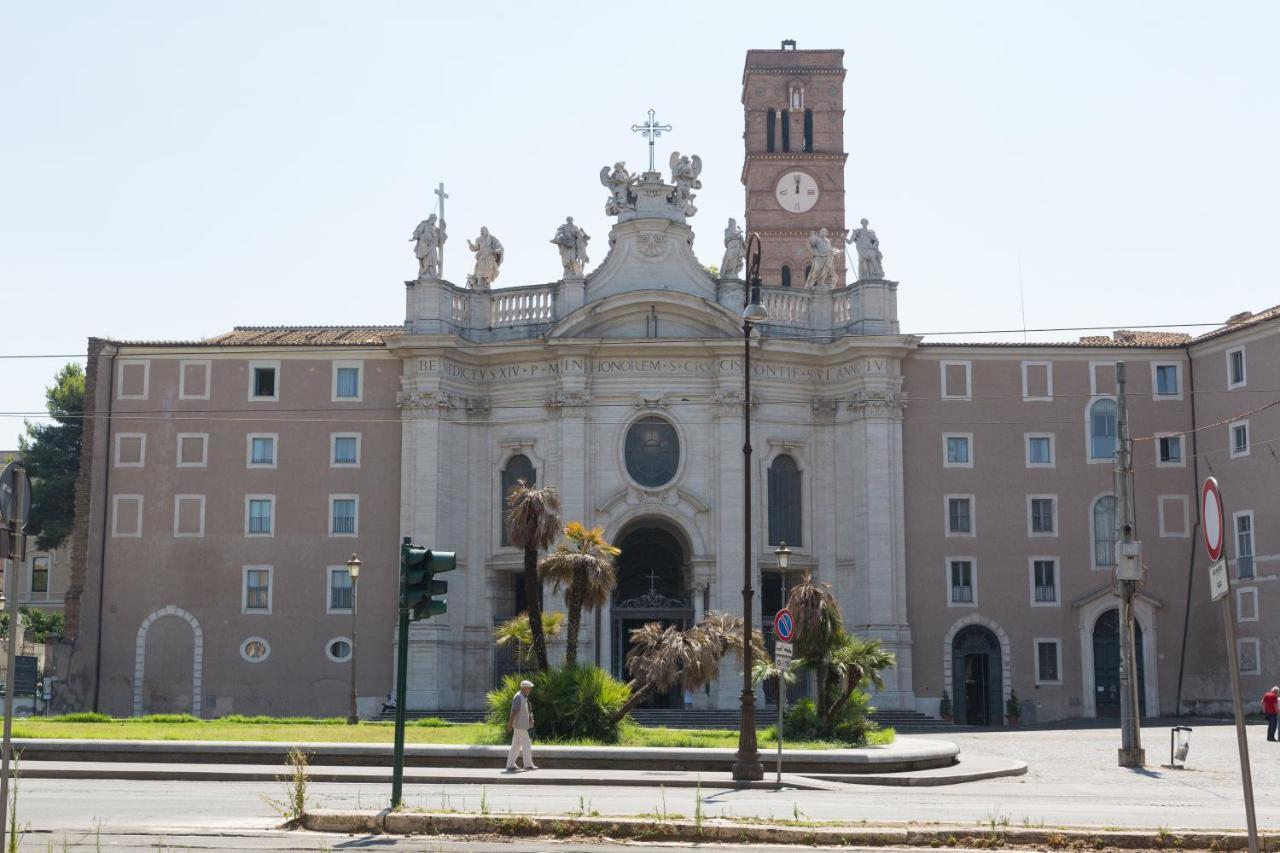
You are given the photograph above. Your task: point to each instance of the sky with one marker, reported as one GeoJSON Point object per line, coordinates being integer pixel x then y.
{"type": "Point", "coordinates": [169, 170]}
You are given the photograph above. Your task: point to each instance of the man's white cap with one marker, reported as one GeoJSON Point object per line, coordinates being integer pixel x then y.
{"type": "Point", "coordinates": [526, 684]}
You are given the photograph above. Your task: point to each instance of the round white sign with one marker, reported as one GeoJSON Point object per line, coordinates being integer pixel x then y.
{"type": "Point", "coordinates": [1211, 502]}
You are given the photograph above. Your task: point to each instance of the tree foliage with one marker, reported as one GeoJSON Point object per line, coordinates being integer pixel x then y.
{"type": "Point", "coordinates": [517, 632]}
{"type": "Point", "coordinates": [533, 525]}
{"type": "Point", "coordinates": [51, 452]}
{"type": "Point", "coordinates": [570, 702]}
{"type": "Point", "coordinates": [38, 626]}
{"type": "Point", "coordinates": [584, 570]}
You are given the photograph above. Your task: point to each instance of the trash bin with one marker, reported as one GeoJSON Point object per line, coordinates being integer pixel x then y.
{"type": "Point", "coordinates": [1179, 744]}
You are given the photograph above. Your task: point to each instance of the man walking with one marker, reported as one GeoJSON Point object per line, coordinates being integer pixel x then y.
{"type": "Point", "coordinates": [519, 723]}
{"type": "Point", "coordinates": [1269, 702]}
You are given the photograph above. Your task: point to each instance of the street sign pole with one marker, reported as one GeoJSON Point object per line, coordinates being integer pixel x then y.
{"type": "Point", "coordinates": [15, 552]}
{"type": "Point", "coordinates": [783, 632]}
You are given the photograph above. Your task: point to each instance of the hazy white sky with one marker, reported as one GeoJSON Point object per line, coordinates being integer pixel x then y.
{"type": "Point", "coordinates": [171, 169]}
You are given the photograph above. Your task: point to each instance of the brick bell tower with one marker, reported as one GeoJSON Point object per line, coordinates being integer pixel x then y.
{"type": "Point", "coordinates": [793, 106]}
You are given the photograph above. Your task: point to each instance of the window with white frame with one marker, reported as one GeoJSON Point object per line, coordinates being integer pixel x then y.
{"type": "Point", "coordinates": [1244, 543]}
{"type": "Point", "coordinates": [1166, 380]}
{"type": "Point", "coordinates": [1247, 604]}
{"type": "Point", "coordinates": [1039, 450]}
{"type": "Point", "coordinates": [1169, 450]}
{"type": "Point", "coordinates": [1037, 381]}
{"type": "Point", "coordinates": [957, 449]}
{"type": "Point", "coordinates": [348, 381]}
{"type": "Point", "coordinates": [133, 379]}
{"type": "Point", "coordinates": [193, 449]}
{"type": "Point", "coordinates": [1236, 377]}
{"type": "Point", "coordinates": [188, 516]}
{"type": "Point", "coordinates": [961, 576]}
{"type": "Point", "coordinates": [344, 450]}
{"type": "Point", "coordinates": [126, 516]}
{"type": "Point", "coordinates": [1048, 661]}
{"type": "Point", "coordinates": [264, 380]}
{"type": "Point", "coordinates": [339, 595]}
{"type": "Point", "coordinates": [261, 450]}
{"type": "Point", "coordinates": [40, 576]}
{"type": "Point", "coordinates": [1250, 656]}
{"type": "Point", "coordinates": [1102, 377]}
{"type": "Point", "coordinates": [1044, 581]}
{"type": "Point", "coordinates": [1104, 524]}
{"type": "Point", "coordinates": [131, 449]}
{"type": "Point", "coordinates": [1174, 512]}
{"type": "Point", "coordinates": [338, 649]}
{"type": "Point", "coordinates": [257, 590]}
{"type": "Point", "coordinates": [956, 380]}
{"type": "Point", "coordinates": [193, 379]}
{"type": "Point", "coordinates": [1042, 512]}
{"type": "Point", "coordinates": [959, 515]}
{"type": "Point", "coordinates": [344, 511]}
{"type": "Point", "coordinates": [1239, 432]}
{"type": "Point", "coordinates": [1103, 423]}
{"type": "Point", "coordinates": [259, 515]}
{"type": "Point", "coordinates": [255, 650]}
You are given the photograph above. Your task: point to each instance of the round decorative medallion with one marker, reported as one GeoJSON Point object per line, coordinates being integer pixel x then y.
{"type": "Point", "coordinates": [651, 244]}
{"type": "Point", "coordinates": [759, 90]}
{"type": "Point", "coordinates": [652, 451]}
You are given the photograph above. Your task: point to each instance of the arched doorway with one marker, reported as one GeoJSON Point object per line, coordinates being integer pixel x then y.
{"type": "Point", "coordinates": [1106, 664]}
{"type": "Point", "coordinates": [167, 664]}
{"type": "Point", "coordinates": [976, 681]}
{"type": "Point", "coordinates": [652, 587]}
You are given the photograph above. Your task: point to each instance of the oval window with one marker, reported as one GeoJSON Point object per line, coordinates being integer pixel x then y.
{"type": "Point", "coordinates": [339, 650]}
{"type": "Point", "coordinates": [255, 650]}
{"type": "Point", "coordinates": [652, 451]}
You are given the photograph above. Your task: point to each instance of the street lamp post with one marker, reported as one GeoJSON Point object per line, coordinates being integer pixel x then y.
{"type": "Point", "coordinates": [747, 767]}
{"type": "Point", "coordinates": [353, 569]}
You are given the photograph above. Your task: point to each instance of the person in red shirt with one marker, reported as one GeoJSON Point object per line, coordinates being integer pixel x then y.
{"type": "Point", "coordinates": [1269, 710]}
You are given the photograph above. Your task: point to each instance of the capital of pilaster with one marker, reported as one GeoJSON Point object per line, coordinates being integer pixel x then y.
{"type": "Point", "coordinates": [572, 402]}
{"type": "Point", "coordinates": [425, 403]}
{"type": "Point", "coordinates": [879, 404]}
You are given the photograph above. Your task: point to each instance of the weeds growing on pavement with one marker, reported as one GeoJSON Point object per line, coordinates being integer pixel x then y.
{"type": "Point", "coordinates": [697, 806]}
{"type": "Point", "coordinates": [14, 839]}
{"type": "Point", "coordinates": [294, 804]}
{"type": "Point", "coordinates": [484, 800]}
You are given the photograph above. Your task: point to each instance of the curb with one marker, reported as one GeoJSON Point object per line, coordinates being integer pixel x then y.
{"type": "Point", "coordinates": [642, 829]}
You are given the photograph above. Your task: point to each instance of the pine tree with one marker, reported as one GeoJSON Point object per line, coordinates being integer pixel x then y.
{"type": "Point", "coordinates": [51, 452]}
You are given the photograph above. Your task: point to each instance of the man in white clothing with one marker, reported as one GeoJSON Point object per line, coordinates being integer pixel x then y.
{"type": "Point", "coordinates": [519, 723]}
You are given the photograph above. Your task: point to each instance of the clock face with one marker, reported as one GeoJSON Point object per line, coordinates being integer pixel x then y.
{"type": "Point", "coordinates": [796, 192]}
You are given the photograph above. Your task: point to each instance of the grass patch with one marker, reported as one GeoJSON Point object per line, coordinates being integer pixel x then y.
{"type": "Point", "coordinates": [336, 730]}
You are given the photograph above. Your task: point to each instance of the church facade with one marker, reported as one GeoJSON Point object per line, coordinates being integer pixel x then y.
{"type": "Point", "coordinates": [958, 498]}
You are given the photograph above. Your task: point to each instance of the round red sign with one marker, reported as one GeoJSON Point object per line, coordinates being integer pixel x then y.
{"type": "Point", "coordinates": [1211, 511]}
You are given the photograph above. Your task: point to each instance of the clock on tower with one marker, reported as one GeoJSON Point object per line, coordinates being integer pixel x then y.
{"type": "Point", "coordinates": [793, 103]}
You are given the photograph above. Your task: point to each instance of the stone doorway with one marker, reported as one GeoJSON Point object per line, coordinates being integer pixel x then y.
{"type": "Point", "coordinates": [976, 681]}
{"type": "Point", "coordinates": [1106, 664]}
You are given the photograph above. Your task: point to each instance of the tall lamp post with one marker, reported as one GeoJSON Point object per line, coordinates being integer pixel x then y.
{"type": "Point", "coordinates": [353, 569]}
{"type": "Point", "coordinates": [747, 767]}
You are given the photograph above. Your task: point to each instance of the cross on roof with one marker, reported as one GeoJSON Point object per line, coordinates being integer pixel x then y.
{"type": "Point", "coordinates": [652, 130]}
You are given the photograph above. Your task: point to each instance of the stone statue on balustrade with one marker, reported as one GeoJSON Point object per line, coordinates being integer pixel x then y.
{"type": "Point", "coordinates": [684, 174]}
{"type": "Point", "coordinates": [428, 239]}
{"type": "Point", "coordinates": [619, 183]}
{"type": "Point", "coordinates": [572, 242]}
{"type": "Point", "coordinates": [869, 257]}
{"type": "Point", "coordinates": [488, 253]}
{"type": "Point", "coordinates": [822, 260]}
{"type": "Point", "coordinates": [735, 251]}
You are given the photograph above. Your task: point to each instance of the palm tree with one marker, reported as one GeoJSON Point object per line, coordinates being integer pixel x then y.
{"type": "Point", "coordinates": [533, 525]}
{"type": "Point", "coordinates": [516, 631]}
{"type": "Point", "coordinates": [661, 657]}
{"type": "Point", "coordinates": [585, 573]}
{"type": "Point", "coordinates": [818, 623]}
{"type": "Point", "coordinates": [852, 662]}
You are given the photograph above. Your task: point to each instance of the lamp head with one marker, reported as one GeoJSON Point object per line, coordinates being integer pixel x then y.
{"type": "Point", "coordinates": [783, 553]}
{"type": "Point", "coordinates": [353, 566]}
{"type": "Point", "coordinates": [754, 313]}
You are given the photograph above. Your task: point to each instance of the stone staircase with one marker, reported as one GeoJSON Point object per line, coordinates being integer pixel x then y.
{"type": "Point", "coordinates": [704, 718]}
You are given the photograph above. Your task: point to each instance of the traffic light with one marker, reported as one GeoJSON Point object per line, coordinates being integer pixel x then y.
{"type": "Point", "coordinates": [420, 593]}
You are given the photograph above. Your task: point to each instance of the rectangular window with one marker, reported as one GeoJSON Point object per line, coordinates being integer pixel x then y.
{"type": "Point", "coordinates": [264, 380]}
{"type": "Point", "coordinates": [40, 576]}
{"type": "Point", "coordinates": [1250, 658]}
{"type": "Point", "coordinates": [956, 448]}
{"type": "Point", "coordinates": [1247, 604]}
{"type": "Point", "coordinates": [1037, 381]}
{"type": "Point", "coordinates": [193, 379]}
{"type": "Point", "coordinates": [343, 510]}
{"type": "Point", "coordinates": [344, 450]}
{"type": "Point", "coordinates": [261, 450]}
{"type": "Point", "coordinates": [133, 379]}
{"type": "Point", "coordinates": [131, 449]}
{"type": "Point", "coordinates": [1235, 368]}
{"type": "Point", "coordinates": [188, 516]}
{"type": "Point", "coordinates": [1239, 432]}
{"type": "Point", "coordinates": [1102, 378]}
{"type": "Point", "coordinates": [257, 589]}
{"type": "Point", "coordinates": [961, 576]}
{"type": "Point", "coordinates": [1165, 381]}
{"type": "Point", "coordinates": [1044, 579]}
{"type": "Point", "coordinates": [1173, 511]}
{"type": "Point", "coordinates": [1244, 544]}
{"type": "Point", "coordinates": [1044, 516]}
{"type": "Point", "coordinates": [1169, 450]}
{"type": "Point", "coordinates": [126, 516]}
{"type": "Point", "coordinates": [339, 600]}
{"type": "Point", "coordinates": [956, 376]}
{"type": "Point", "coordinates": [259, 515]}
{"type": "Point", "coordinates": [1048, 662]}
{"type": "Point", "coordinates": [1039, 450]}
{"type": "Point", "coordinates": [960, 516]}
{"type": "Point", "coordinates": [347, 376]}
{"type": "Point", "coordinates": [193, 449]}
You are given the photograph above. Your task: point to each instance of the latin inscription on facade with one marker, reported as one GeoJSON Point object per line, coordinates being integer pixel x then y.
{"type": "Point", "coordinates": [688, 367]}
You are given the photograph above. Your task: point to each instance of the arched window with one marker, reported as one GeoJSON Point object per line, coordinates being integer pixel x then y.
{"type": "Point", "coordinates": [518, 468]}
{"type": "Point", "coordinates": [785, 508]}
{"type": "Point", "coordinates": [786, 276]}
{"type": "Point", "coordinates": [1102, 429]}
{"type": "Point", "coordinates": [808, 131]}
{"type": "Point", "coordinates": [1104, 531]}
{"type": "Point", "coordinates": [771, 119]}
{"type": "Point", "coordinates": [652, 451]}
{"type": "Point", "coordinates": [786, 130]}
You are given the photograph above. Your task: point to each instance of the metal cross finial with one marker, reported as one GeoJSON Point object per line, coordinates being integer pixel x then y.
{"type": "Point", "coordinates": [653, 580]}
{"type": "Point", "coordinates": [439, 191]}
{"type": "Point", "coordinates": [652, 130]}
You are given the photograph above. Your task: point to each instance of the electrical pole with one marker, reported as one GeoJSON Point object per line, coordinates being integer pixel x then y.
{"type": "Point", "coordinates": [1128, 578]}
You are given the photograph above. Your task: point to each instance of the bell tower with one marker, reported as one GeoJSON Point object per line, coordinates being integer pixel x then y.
{"type": "Point", "coordinates": [793, 107]}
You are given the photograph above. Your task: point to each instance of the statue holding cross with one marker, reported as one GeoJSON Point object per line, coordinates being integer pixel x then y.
{"type": "Point", "coordinates": [428, 239]}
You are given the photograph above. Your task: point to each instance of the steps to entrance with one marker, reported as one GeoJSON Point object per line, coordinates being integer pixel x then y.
{"type": "Point", "coordinates": [698, 718]}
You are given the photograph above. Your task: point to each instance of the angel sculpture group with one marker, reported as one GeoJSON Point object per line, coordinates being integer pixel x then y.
{"type": "Point", "coordinates": [620, 183]}
{"type": "Point", "coordinates": [684, 174]}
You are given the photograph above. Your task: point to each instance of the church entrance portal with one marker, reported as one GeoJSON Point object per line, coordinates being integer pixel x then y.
{"type": "Point", "coordinates": [976, 677]}
{"type": "Point", "coordinates": [652, 587]}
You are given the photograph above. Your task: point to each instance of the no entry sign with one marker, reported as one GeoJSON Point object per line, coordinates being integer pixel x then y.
{"type": "Point", "coordinates": [784, 626]}
{"type": "Point", "coordinates": [1211, 512]}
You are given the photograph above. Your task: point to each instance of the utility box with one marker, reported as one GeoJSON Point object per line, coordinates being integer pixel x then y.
{"type": "Point", "coordinates": [1129, 561]}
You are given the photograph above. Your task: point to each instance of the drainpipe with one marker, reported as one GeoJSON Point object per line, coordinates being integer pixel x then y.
{"type": "Point", "coordinates": [106, 514]}
{"type": "Point", "coordinates": [1195, 530]}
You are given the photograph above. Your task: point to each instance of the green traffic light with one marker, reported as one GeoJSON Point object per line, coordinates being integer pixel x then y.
{"type": "Point", "coordinates": [420, 593]}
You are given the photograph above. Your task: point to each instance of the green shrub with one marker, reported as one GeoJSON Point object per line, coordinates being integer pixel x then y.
{"type": "Point", "coordinates": [82, 717]}
{"type": "Point", "coordinates": [432, 723]}
{"type": "Point", "coordinates": [167, 718]}
{"type": "Point", "coordinates": [568, 703]}
{"type": "Point", "coordinates": [803, 724]}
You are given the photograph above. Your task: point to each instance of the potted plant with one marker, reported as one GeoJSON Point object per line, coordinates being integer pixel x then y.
{"type": "Point", "coordinates": [944, 707]}
{"type": "Point", "coordinates": [1013, 709]}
